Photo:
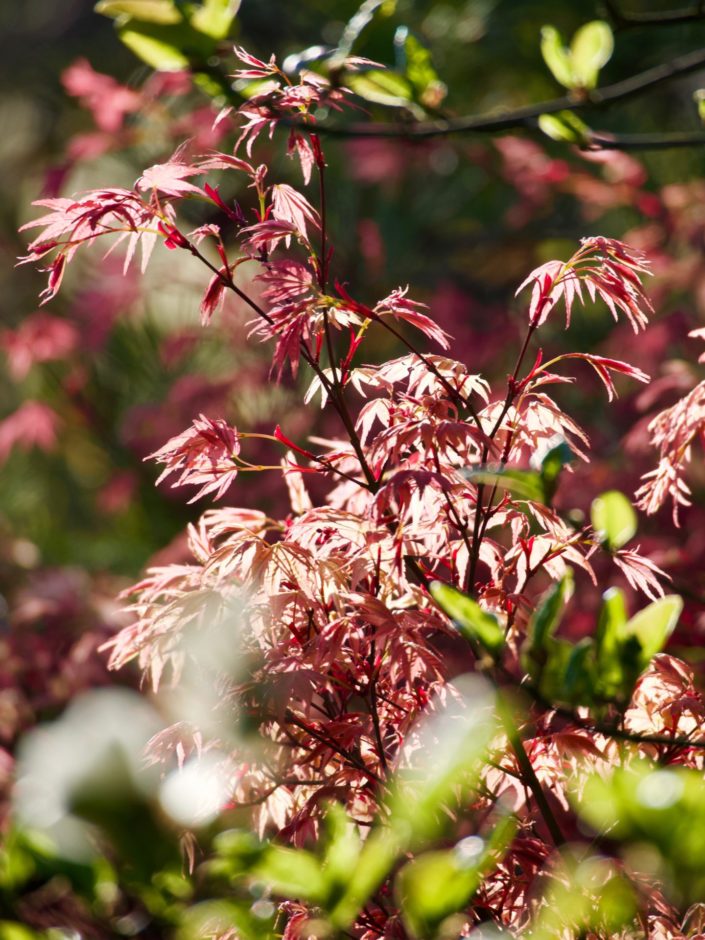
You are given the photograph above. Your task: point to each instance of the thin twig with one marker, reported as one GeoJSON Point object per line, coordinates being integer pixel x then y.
{"type": "Point", "coordinates": [527, 115]}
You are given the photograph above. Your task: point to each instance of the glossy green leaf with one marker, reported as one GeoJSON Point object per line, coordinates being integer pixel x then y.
{"type": "Point", "coordinates": [565, 126]}
{"type": "Point", "coordinates": [556, 56]}
{"type": "Point", "coordinates": [652, 626]}
{"type": "Point", "coordinates": [552, 464]}
{"type": "Point", "coordinates": [591, 48]}
{"type": "Point", "coordinates": [613, 519]}
{"type": "Point", "coordinates": [474, 623]}
{"type": "Point", "coordinates": [611, 682]}
{"type": "Point", "coordinates": [146, 11]}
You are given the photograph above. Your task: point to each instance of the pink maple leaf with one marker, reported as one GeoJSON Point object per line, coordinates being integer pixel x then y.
{"type": "Point", "coordinates": [203, 455]}
{"type": "Point", "coordinates": [34, 424]}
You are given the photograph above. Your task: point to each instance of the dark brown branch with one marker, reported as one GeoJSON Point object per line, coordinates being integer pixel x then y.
{"type": "Point", "coordinates": [526, 116]}
{"type": "Point", "coordinates": [622, 20]}
{"type": "Point", "coordinates": [601, 140]}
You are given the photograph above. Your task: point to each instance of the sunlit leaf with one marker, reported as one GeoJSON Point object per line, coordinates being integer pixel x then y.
{"type": "Point", "coordinates": [556, 56]}
{"type": "Point", "coordinates": [215, 18]}
{"type": "Point", "coordinates": [652, 626]}
{"type": "Point", "coordinates": [545, 619]}
{"type": "Point", "coordinates": [157, 53]}
{"type": "Point", "coordinates": [591, 48]}
{"type": "Point", "coordinates": [386, 88]}
{"type": "Point", "coordinates": [474, 623]}
{"type": "Point", "coordinates": [438, 884]}
{"type": "Point", "coordinates": [565, 126]}
{"type": "Point", "coordinates": [146, 11]}
{"type": "Point", "coordinates": [610, 676]}
{"type": "Point", "coordinates": [613, 519]}
{"type": "Point", "coordinates": [292, 873]}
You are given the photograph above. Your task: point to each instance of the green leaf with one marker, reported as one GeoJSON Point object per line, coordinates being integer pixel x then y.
{"type": "Point", "coordinates": [388, 88]}
{"type": "Point", "coordinates": [556, 56]}
{"type": "Point", "coordinates": [591, 48]}
{"type": "Point", "coordinates": [215, 17]}
{"type": "Point", "coordinates": [292, 873]}
{"type": "Point", "coordinates": [565, 126]}
{"type": "Point", "coordinates": [611, 682]}
{"type": "Point", "coordinates": [652, 626]}
{"type": "Point", "coordinates": [381, 850]}
{"type": "Point", "coordinates": [524, 484]}
{"type": "Point", "coordinates": [474, 623]}
{"type": "Point", "coordinates": [613, 519]}
{"type": "Point", "coordinates": [10, 930]}
{"type": "Point", "coordinates": [579, 678]}
{"type": "Point", "coordinates": [552, 464]}
{"type": "Point", "coordinates": [437, 884]}
{"type": "Point", "coordinates": [449, 759]}
{"type": "Point", "coordinates": [342, 850]}
{"type": "Point", "coordinates": [418, 68]}
{"type": "Point", "coordinates": [145, 11]}
{"type": "Point", "coordinates": [544, 621]}
{"type": "Point", "coordinates": [157, 53]}
{"type": "Point", "coordinates": [699, 99]}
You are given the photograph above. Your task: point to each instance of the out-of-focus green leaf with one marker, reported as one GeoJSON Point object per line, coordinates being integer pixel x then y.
{"type": "Point", "coordinates": [586, 896]}
{"type": "Point", "coordinates": [10, 930]}
{"type": "Point", "coordinates": [146, 11]}
{"type": "Point", "coordinates": [474, 623]}
{"type": "Point", "coordinates": [653, 808]}
{"type": "Point", "coordinates": [556, 56]}
{"type": "Point", "coordinates": [222, 918]}
{"type": "Point", "coordinates": [437, 884]}
{"type": "Point", "coordinates": [591, 48]}
{"type": "Point", "coordinates": [453, 745]}
{"type": "Point", "coordinates": [381, 850]}
{"type": "Point", "coordinates": [342, 850]}
{"type": "Point", "coordinates": [417, 66]}
{"type": "Point", "coordinates": [565, 126]}
{"type": "Point", "coordinates": [699, 99]}
{"type": "Point", "coordinates": [156, 52]}
{"type": "Point", "coordinates": [381, 87]}
{"type": "Point", "coordinates": [613, 519]}
{"type": "Point", "coordinates": [292, 873]}
{"type": "Point", "coordinates": [215, 17]}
